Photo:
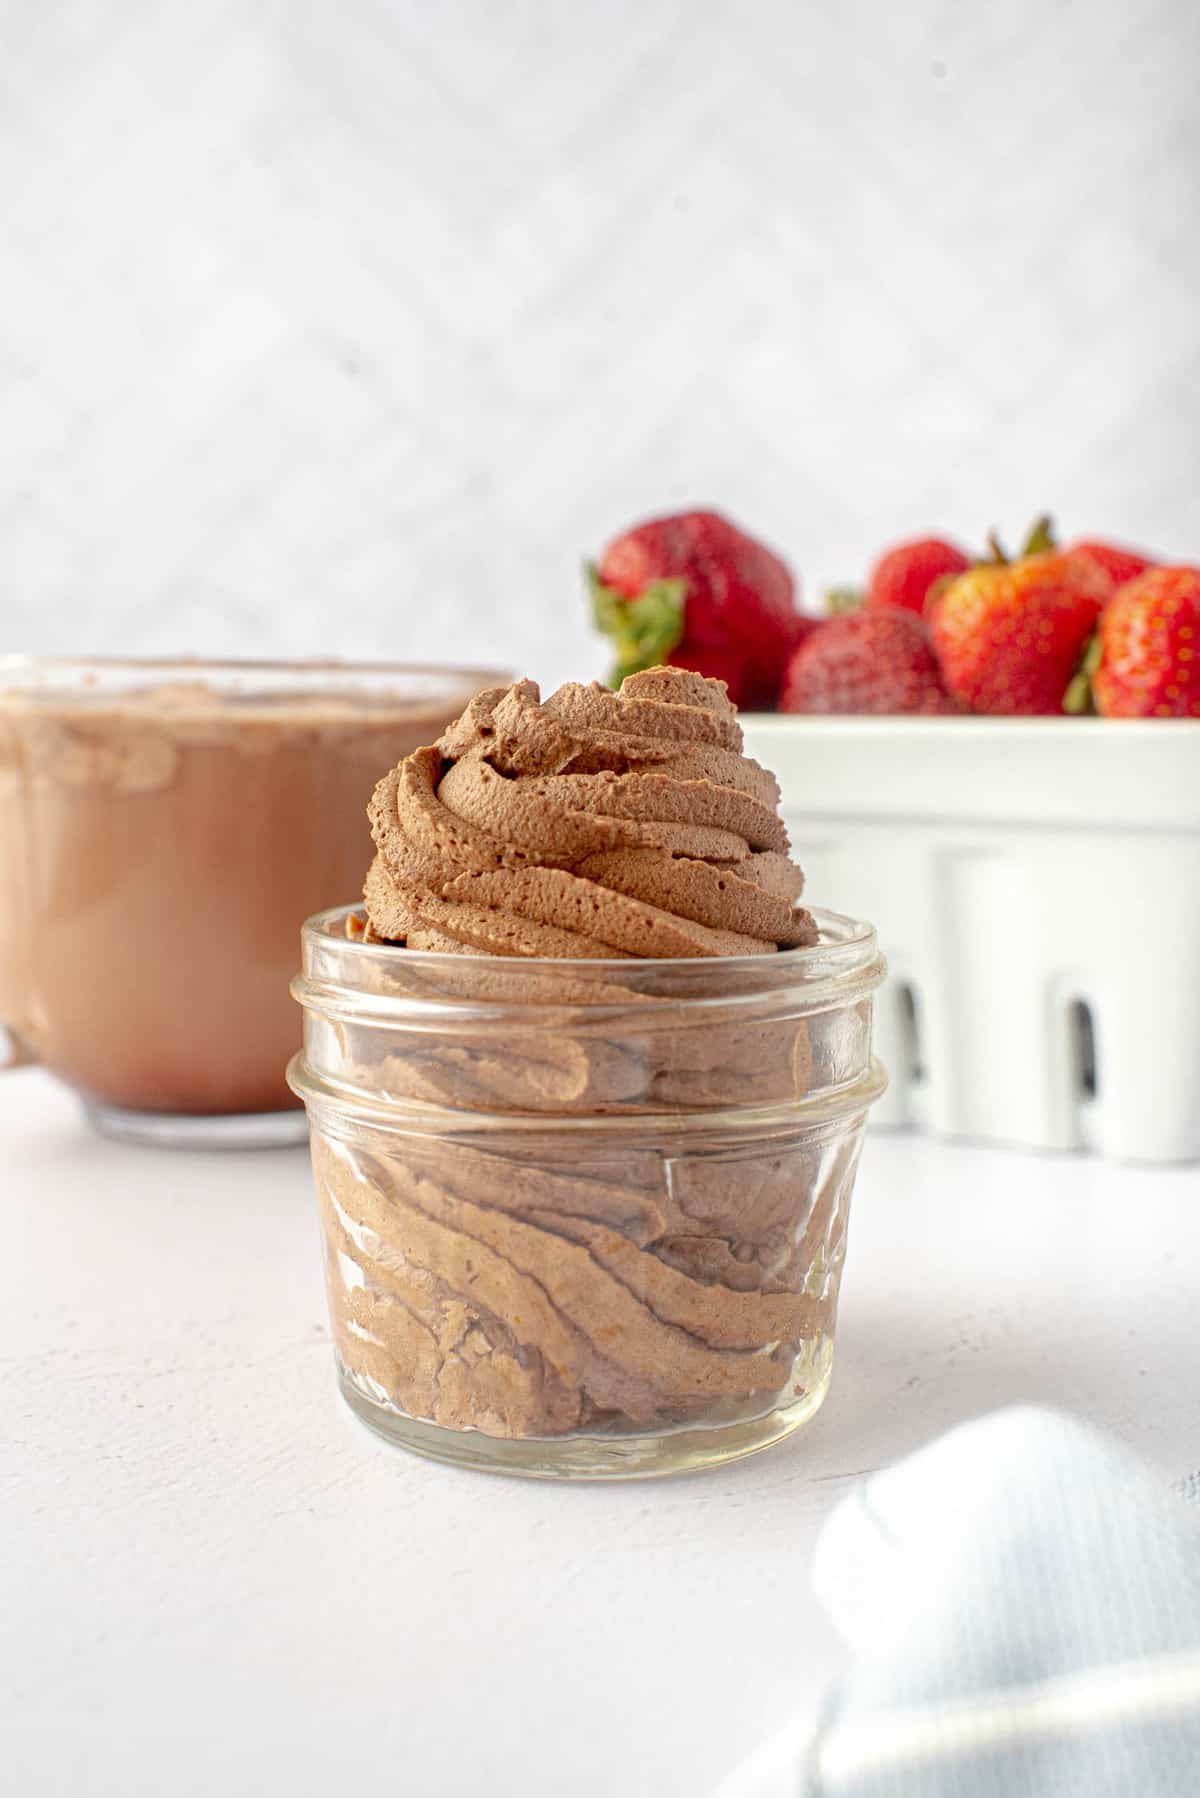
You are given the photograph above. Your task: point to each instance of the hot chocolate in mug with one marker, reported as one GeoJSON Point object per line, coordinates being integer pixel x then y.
{"type": "Point", "coordinates": [165, 829]}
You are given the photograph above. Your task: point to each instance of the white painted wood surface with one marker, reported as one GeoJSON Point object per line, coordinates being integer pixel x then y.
{"type": "Point", "coordinates": [214, 1580]}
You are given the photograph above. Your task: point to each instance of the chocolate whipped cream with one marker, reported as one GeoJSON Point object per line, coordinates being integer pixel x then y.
{"type": "Point", "coordinates": [593, 825]}
{"type": "Point", "coordinates": [631, 1228]}
{"type": "Point", "coordinates": [511, 1293]}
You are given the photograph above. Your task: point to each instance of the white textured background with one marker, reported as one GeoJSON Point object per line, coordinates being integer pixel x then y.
{"type": "Point", "coordinates": [350, 325]}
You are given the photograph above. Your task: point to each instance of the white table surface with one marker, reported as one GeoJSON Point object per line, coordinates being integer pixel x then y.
{"type": "Point", "coordinates": [214, 1580]}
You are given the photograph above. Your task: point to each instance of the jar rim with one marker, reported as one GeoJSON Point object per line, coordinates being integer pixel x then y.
{"type": "Point", "coordinates": [340, 980]}
{"type": "Point", "coordinates": [848, 940]}
{"type": "Point", "coordinates": [343, 988]}
{"type": "Point", "coordinates": [826, 1111]}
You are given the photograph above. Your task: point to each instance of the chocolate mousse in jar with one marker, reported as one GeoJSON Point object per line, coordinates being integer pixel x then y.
{"type": "Point", "coordinates": [587, 1088]}
{"type": "Point", "coordinates": [165, 828]}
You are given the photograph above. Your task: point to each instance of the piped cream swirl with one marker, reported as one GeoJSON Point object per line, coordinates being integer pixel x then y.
{"type": "Point", "coordinates": [591, 825]}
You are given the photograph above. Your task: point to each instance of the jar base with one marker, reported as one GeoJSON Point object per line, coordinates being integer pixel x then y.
{"type": "Point", "coordinates": [592, 1458]}
{"type": "Point", "coordinates": [167, 1130]}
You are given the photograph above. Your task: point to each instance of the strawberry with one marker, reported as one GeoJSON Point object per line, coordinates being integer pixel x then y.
{"type": "Point", "coordinates": [695, 591]}
{"type": "Point", "coordinates": [869, 661]}
{"type": "Point", "coordinates": [1120, 565]}
{"type": "Point", "coordinates": [904, 575]}
{"type": "Point", "coordinates": [1009, 635]}
{"type": "Point", "coordinates": [1145, 662]}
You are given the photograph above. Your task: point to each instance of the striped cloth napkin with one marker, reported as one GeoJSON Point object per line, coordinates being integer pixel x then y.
{"type": "Point", "coordinates": [1022, 1603]}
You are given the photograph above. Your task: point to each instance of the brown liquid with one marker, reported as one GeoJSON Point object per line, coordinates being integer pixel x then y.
{"type": "Point", "coordinates": [158, 855]}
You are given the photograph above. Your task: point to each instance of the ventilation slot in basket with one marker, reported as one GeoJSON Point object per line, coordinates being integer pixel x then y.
{"type": "Point", "coordinates": [912, 1056]}
{"type": "Point", "coordinates": [1083, 1048]}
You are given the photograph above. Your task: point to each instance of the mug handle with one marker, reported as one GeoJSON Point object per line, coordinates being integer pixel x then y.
{"type": "Point", "coordinates": [14, 1053]}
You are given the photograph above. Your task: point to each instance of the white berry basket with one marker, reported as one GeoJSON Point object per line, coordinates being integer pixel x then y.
{"type": "Point", "coordinates": [1036, 888]}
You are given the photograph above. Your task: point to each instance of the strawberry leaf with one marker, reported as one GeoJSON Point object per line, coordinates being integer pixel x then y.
{"type": "Point", "coordinates": [841, 600]}
{"type": "Point", "coordinates": [1041, 538]}
{"type": "Point", "coordinates": [1079, 698]}
{"type": "Point", "coordinates": [643, 631]}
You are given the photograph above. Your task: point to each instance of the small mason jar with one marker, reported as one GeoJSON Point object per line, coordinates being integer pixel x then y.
{"type": "Point", "coordinates": [585, 1219]}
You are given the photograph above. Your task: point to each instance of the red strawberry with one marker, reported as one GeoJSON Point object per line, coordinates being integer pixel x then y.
{"type": "Point", "coordinates": [1148, 659]}
{"type": "Point", "coordinates": [866, 662]}
{"type": "Point", "coordinates": [695, 591]}
{"type": "Point", "coordinates": [904, 575]}
{"type": "Point", "coordinates": [1009, 636]}
{"type": "Point", "coordinates": [1119, 564]}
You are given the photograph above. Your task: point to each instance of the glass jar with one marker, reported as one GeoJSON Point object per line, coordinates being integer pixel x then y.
{"type": "Point", "coordinates": [165, 829]}
{"type": "Point", "coordinates": [585, 1219]}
